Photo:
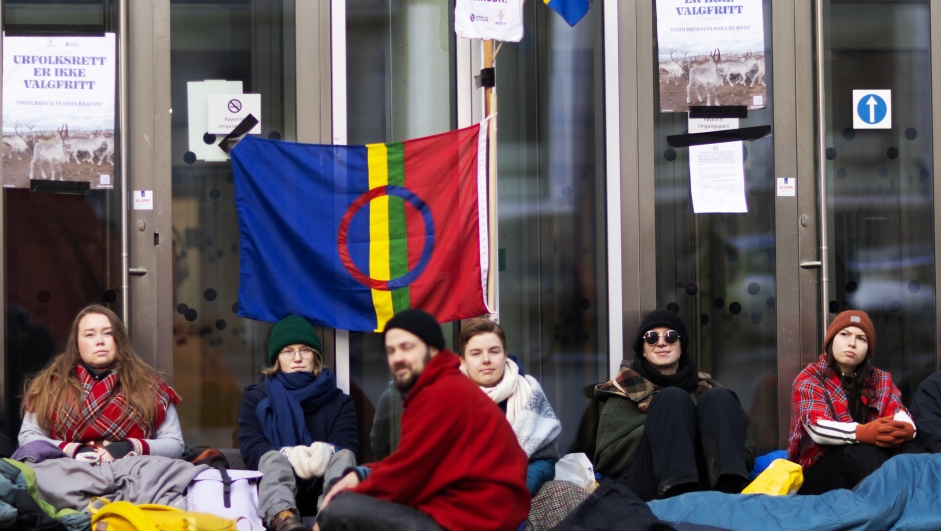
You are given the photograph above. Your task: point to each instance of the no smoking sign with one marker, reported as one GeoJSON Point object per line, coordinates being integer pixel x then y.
{"type": "Point", "coordinates": [226, 111]}
{"type": "Point", "coordinates": [872, 109]}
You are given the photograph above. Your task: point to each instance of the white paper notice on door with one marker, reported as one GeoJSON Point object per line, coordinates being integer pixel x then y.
{"type": "Point", "coordinates": [717, 178]}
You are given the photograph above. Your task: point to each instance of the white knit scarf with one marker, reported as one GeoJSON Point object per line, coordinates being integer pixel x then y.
{"type": "Point", "coordinates": [512, 387]}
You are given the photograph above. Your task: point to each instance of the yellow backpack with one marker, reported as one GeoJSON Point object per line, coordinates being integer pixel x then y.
{"type": "Point", "coordinates": [125, 516]}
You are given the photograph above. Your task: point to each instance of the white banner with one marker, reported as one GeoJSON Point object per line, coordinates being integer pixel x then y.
{"type": "Point", "coordinates": [499, 20]}
{"type": "Point", "coordinates": [711, 53]}
{"type": "Point", "coordinates": [58, 109]}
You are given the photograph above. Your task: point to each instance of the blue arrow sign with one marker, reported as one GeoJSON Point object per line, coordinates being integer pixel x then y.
{"type": "Point", "coordinates": [872, 109]}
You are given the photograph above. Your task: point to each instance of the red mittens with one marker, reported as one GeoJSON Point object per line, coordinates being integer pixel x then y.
{"type": "Point", "coordinates": [885, 432]}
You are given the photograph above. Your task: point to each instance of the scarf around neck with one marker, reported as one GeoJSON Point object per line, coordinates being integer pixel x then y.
{"type": "Point", "coordinates": [290, 395]}
{"type": "Point", "coordinates": [104, 413]}
{"type": "Point", "coordinates": [685, 377]}
{"type": "Point", "coordinates": [512, 387]}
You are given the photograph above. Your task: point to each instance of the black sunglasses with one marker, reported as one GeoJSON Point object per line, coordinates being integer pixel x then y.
{"type": "Point", "coordinates": [670, 336]}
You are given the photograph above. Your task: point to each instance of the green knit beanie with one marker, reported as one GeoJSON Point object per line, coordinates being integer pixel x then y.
{"type": "Point", "coordinates": [290, 330]}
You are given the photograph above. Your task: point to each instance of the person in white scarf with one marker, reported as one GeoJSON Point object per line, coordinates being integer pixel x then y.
{"type": "Point", "coordinates": [485, 361]}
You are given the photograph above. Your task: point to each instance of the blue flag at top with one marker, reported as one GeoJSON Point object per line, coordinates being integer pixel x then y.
{"type": "Point", "coordinates": [571, 10]}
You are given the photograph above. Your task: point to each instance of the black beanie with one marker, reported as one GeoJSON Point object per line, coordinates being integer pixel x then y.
{"type": "Point", "coordinates": [420, 323]}
{"type": "Point", "coordinates": [661, 318]}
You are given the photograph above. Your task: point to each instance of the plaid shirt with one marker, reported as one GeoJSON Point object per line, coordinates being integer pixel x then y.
{"type": "Point", "coordinates": [818, 395]}
{"type": "Point", "coordinates": [105, 414]}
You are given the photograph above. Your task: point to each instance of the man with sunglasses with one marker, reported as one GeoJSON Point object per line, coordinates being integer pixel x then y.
{"type": "Point", "coordinates": [666, 428]}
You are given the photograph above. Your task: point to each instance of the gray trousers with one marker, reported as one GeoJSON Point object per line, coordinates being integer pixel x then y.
{"type": "Point", "coordinates": [350, 511]}
{"type": "Point", "coordinates": [278, 488]}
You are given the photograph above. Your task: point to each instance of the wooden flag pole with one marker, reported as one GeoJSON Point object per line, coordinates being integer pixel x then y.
{"type": "Point", "coordinates": [490, 107]}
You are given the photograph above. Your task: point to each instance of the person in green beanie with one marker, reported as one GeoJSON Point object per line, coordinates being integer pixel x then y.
{"type": "Point", "coordinates": [296, 427]}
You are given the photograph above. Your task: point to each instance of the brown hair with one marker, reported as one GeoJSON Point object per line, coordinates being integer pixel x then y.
{"type": "Point", "coordinates": [476, 326]}
{"type": "Point", "coordinates": [276, 368]}
{"type": "Point", "coordinates": [56, 387]}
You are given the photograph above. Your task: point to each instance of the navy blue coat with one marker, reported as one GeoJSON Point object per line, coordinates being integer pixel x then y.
{"type": "Point", "coordinates": [333, 423]}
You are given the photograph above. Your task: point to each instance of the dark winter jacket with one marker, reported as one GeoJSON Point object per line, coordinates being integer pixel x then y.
{"type": "Point", "coordinates": [334, 423]}
{"type": "Point", "coordinates": [926, 410]}
{"type": "Point", "coordinates": [621, 425]}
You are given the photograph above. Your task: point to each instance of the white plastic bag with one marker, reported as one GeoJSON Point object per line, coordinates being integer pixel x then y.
{"type": "Point", "coordinates": [577, 469]}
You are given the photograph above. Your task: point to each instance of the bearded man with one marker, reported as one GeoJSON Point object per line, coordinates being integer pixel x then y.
{"type": "Point", "coordinates": [458, 465]}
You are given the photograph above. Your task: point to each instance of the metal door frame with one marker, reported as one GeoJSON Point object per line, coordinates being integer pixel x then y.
{"type": "Point", "coordinates": [149, 158]}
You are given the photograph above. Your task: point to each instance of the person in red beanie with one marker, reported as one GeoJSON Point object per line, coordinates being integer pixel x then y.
{"type": "Point", "coordinates": [847, 417]}
{"type": "Point", "coordinates": [458, 465]}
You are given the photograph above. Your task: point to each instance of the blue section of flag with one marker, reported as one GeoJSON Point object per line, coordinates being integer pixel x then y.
{"type": "Point", "coordinates": [571, 10]}
{"type": "Point", "coordinates": [290, 200]}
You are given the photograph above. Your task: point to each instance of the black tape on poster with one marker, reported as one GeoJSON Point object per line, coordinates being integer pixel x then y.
{"type": "Point", "coordinates": [237, 134]}
{"type": "Point", "coordinates": [718, 137]}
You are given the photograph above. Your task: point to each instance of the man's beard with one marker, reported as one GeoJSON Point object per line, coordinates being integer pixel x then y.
{"type": "Point", "coordinates": [406, 384]}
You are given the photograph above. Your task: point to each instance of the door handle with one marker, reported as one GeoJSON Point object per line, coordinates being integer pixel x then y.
{"type": "Point", "coordinates": [137, 271]}
{"type": "Point", "coordinates": [811, 265]}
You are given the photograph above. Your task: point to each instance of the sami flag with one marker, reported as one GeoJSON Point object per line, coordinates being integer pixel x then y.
{"type": "Point", "coordinates": [346, 236]}
{"type": "Point", "coordinates": [571, 10]}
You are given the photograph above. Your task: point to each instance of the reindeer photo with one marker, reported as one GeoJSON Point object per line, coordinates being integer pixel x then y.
{"type": "Point", "coordinates": [710, 60]}
{"type": "Point", "coordinates": [64, 132]}
{"type": "Point", "coordinates": [19, 144]}
{"type": "Point", "coordinates": [64, 153]}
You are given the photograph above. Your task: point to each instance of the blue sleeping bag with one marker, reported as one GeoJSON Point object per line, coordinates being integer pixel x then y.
{"type": "Point", "coordinates": [904, 494]}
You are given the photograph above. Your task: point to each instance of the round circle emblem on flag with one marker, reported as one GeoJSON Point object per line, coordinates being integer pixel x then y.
{"type": "Point", "coordinates": [343, 238]}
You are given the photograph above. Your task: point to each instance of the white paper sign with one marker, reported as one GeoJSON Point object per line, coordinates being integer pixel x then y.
{"type": "Point", "coordinates": [717, 178]}
{"type": "Point", "coordinates": [487, 19]}
{"type": "Point", "coordinates": [59, 99]}
{"type": "Point", "coordinates": [872, 109]}
{"type": "Point", "coordinates": [228, 110]}
{"type": "Point", "coordinates": [787, 186]}
{"type": "Point", "coordinates": [708, 125]}
{"type": "Point", "coordinates": [197, 101]}
{"type": "Point", "coordinates": [709, 52]}
{"type": "Point", "coordinates": [143, 199]}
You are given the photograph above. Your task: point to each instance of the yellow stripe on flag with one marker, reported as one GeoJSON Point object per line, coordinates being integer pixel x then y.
{"type": "Point", "coordinates": [379, 269]}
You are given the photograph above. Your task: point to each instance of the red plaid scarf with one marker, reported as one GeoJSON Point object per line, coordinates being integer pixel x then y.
{"type": "Point", "coordinates": [818, 395]}
{"type": "Point", "coordinates": [105, 413]}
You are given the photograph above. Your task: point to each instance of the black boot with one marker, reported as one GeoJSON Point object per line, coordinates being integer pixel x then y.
{"type": "Point", "coordinates": [286, 520]}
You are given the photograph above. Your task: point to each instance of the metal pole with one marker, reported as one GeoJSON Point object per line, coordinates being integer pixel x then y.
{"type": "Point", "coordinates": [822, 169]}
{"type": "Point", "coordinates": [122, 159]}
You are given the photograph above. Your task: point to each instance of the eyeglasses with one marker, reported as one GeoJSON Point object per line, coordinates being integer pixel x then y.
{"type": "Point", "coordinates": [670, 336]}
{"type": "Point", "coordinates": [305, 352]}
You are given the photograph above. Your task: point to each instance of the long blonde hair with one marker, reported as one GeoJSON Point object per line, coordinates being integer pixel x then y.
{"type": "Point", "coordinates": [56, 387]}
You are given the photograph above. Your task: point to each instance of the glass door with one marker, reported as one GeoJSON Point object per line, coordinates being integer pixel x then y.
{"type": "Point", "coordinates": [879, 182]}
{"type": "Point", "coordinates": [62, 235]}
{"type": "Point", "coordinates": [718, 271]}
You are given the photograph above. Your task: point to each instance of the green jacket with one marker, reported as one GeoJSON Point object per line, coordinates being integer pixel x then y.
{"type": "Point", "coordinates": [621, 425]}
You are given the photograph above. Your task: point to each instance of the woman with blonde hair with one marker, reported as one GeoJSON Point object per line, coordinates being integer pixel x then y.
{"type": "Point", "coordinates": [296, 427]}
{"type": "Point", "coordinates": [97, 400]}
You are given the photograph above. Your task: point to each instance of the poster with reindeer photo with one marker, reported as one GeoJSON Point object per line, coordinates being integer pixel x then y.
{"type": "Point", "coordinates": [58, 110]}
{"type": "Point", "coordinates": [711, 52]}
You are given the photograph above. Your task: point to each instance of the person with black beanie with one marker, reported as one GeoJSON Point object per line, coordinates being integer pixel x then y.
{"type": "Point", "coordinates": [665, 427]}
{"type": "Point", "coordinates": [458, 465]}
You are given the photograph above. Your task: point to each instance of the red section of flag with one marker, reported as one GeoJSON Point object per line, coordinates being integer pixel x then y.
{"type": "Point", "coordinates": [442, 171]}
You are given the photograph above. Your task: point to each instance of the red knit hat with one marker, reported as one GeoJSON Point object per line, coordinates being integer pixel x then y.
{"type": "Point", "coordinates": [849, 318]}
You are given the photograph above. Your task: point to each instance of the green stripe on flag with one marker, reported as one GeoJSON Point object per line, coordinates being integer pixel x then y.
{"type": "Point", "coordinates": [398, 232]}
